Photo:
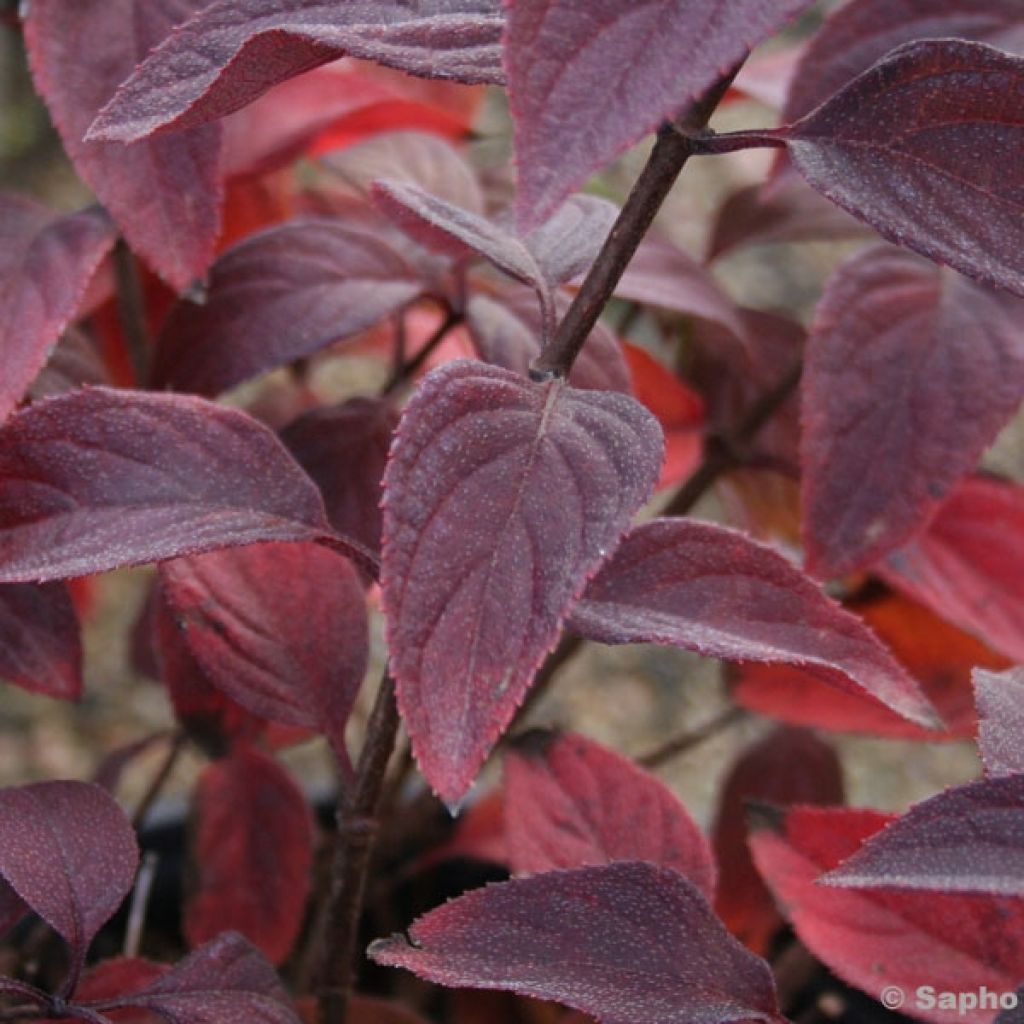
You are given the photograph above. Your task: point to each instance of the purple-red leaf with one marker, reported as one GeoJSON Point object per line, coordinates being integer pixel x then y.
{"type": "Point", "coordinates": [69, 852]}
{"type": "Point", "coordinates": [74, 363]}
{"type": "Point", "coordinates": [570, 802]}
{"type": "Point", "coordinates": [253, 850]}
{"type": "Point", "coordinates": [280, 628]}
{"type": "Point", "coordinates": [164, 195]}
{"type": "Point", "coordinates": [40, 646]}
{"type": "Point", "coordinates": [1000, 698]}
{"type": "Point", "coordinates": [46, 263]}
{"type": "Point", "coordinates": [568, 64]}
{"type": "Point", "coordinates": [99, 479]}
{"type": "Point", "coordinates": [232, 52]}
{"type": "Point", "coordinates": [628, 943]}
{"type": "Point", "coordinates": [502, 496]}
{"type": "Point", "coordinates": [277, 296]}
{"type": "Point", "coordinates": [344, 448]}
{"type": "Point", "coordinates": [928, 147]}
{"type": "Point", "coordinates": [714, 591]}
{"type": "Point", "coordinates": [968, 566]}
{"type": "Point", "coordinates": [12, 908]}
{"type": "Point", "coordinates": [227, 981]}
{"type": "Point", "coordinates": [967, 839]}
{"type": "Point", "coordinates": [911, 371]}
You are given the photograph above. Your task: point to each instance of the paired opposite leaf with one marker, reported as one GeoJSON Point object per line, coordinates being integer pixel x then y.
{"type": "Point", "coordinates": [68, 851]}
{"type": "Point", "coordinates": [1000, 698]}
{"type": "Point", "coordinates": [46, 263]}
{"type": "Point", "coordinates": [911, 371]}
{"type": "Point", "coordinates": [570, 802]}
{"type": "Point", "coordinates": [714, 591]}
{"type": "Point", "coordinates": [232, 52]}
{"type": "Point", "coordinates": [928, 147]}
{"type": "Point", "coordinates": [502, 496]}
{"type": "Point", "coordinates": [628, 943]}
{"type": "Point", "coordinates": [164, 194]}
{"type": "Point", "coordinates": [40, 646]}
{"type": "Point", "coordinates": [278, 296]}
{"type": "Point", "coordinates": [99, 479]}
{"type": "Point", "coordinates": [568, 65]}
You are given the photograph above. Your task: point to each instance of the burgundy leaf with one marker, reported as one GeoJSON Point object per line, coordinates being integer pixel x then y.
{"type": "Point", "coordinates": [46, 263]}
{"type": "Point", "coordinates": [109, 978]}
{"type": "Point", "coordinates": [967, 839]}
{"type": "Point", "coordinates": [568, 241]}
{"type": "Point", "coordinates": [98, 479]}
{"type": "Point", "coordinates": [507, 332]}
{"type": "Point", "coordinates": [567, 64]}
{"type": "Point", "coordinates": [570, 802]}
{"type": "Point", "coordinates": [927, 147]}
{"type": "Point", "coordinates": [253, 849]}
{"type": "Point", "coordinates": [227, 981]}
{"type": "Point", "coordinates": [277, 296]}
{"type": "Point", "coordinates": [502, 497]}
{"type": "Point", "coordinates": [1000, 698]}
{"type": "Point", "coordinates": [232, 52]}
{"type": "Point", "coordinates": [69, 852]}
{"type": "Point", "coordinates": [863, 31]}
{"type": "Point", "coordinates": [344, 449]}
{"type": "Point", "coordinates": [73, 363]}
{"type": "Point", "coordinates": [12, 908]}
{"type": "Point", "coordinates": [164, 195]}
{"type": "Point", "coordinates": [874, 938]}
{"type": "Point", "coordinates": [911, 371]}
{"type": "Point", "coordinates": [280, 628]}
{"type": "Point", "coordinates": [628, 943]}
{"type": "Point", "coordinates": [968, 566]}
{"type": "Point", "coordinates": [40, 646]}
{"type": "Point", "coordinates": [714, 591]}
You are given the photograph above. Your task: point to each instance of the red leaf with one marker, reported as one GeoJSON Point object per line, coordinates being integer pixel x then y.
{"type": "Point", "coordinates": [109, 978]}
{"type": "Point", "coordinates": [227, 981]}
{"type": "Point", "coordinates": [69, 852]}
{"type": "Point", "coordinates": [968, 566]}
{"type": "Point", "coordinates": [872, 939]}
{"type": "Point", "coordinates": [40, 647]}
{"type": "Point", "coordinates": [787, 766]}
{"type": "Point", "coordinates": [714, 591]}
{"type": "Point", "coordinates": [165, 196]}
{"type": "Point", "coordinates": [911, 371]}
{"type": "Point", "coordinates": [277, 296]}
{"type": "Point", "coordinates": [253, 849]}
{"type": "Point", "coordinates": [968, 839]}
{"type": "Point", "coordinates": [939, 656]}
{"type": "Point", "coordinates": [629, 943]}
{"type": "Point", "coordinates": [502, 497]}
{"type": "Point", "coordinates": [899, 148]}
{"type": "Point", "coordinates": [46, 263]}
{"type": "Point", "coordinates": [570, 802]}
{"type": "Point", "coordinates": [232, 52]}
{"type": "Point", "coordinates": [479, 834]}
{"type": "Point", "coordinates": [566, 63]}
{"type": "Point", "coordinates": [99, 479]}
{"type": "Point", "coordinates": [280, 628]}
{"type": "Point", "coordinates": [1001, 720]}
{"type": "Point", "coordinates": [344, 449]}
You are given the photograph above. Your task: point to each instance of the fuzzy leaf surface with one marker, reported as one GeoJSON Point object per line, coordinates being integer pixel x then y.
{"type": "Point", "coordinates": [232, 52]}
{"type": "Point", "coordinates": [968, 566]}
{"type": "Point", "coordinates": [280, 628]}
{"type": "Point", "coordinates": [69, 852]}
{"type": "Point", "coordinates": [46, 263]}
{"type": "Point", "coordinates": [570, 802]}
{"type": "Point", "coordinates": [927, 147]}
{"type": "Point", "coordinates": [628, 943]}
{"type": "Point", "coordinates": [1000, 697]}
{"type": "Point", "coordinates": [164, 195]}
{"type": "Point", "coordinates": [253, 848]}
{"type": "Point", "coordinates": [40, 644]}
{"type": "Point", "coordinates": [714, 591]}
{"type": "Point", "coordinates": [277, 296]}
{"type": "Point", "coordinates": [502, 496]}
{"type": "Point", "coordinates": [911, 371]}
{"type": "Point", "coordinates": [567, 65]}
{"type": "Point", "coordinates": [99, 479]}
